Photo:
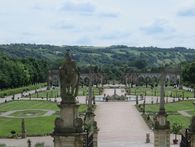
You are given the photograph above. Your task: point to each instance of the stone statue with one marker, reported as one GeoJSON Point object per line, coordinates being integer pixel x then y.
{"type": "Point", "coordinates": [69, 80]}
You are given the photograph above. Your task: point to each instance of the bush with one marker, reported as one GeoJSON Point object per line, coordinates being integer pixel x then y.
{"type": "Point", "coordinates": [175, 129]}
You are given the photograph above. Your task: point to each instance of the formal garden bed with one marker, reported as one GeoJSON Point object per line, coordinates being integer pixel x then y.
{"type": "Point", "coordinates": [36, 124]}
{"type": "Point", "coordinates": [55, 92]}
{"type": "Point", "coordinates": [172, 110]}
{"type": "Point", "coordinates": [170, 91]}
{"type": "Point", "coordinates": [7, 92]}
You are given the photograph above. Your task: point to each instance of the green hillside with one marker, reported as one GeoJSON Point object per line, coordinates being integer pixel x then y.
{"type": "Point", "coordinates": [113, 55]}
{"type": "Point", "coordinates": [114, 61]}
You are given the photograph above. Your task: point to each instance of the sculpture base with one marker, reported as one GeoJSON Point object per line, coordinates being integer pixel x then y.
{"type": "Point", "coordinates": [162, 138]}
{"type": "Point", "coordinates": [193, 140]}
{"type": "Point", "coordinates": [74, 140]}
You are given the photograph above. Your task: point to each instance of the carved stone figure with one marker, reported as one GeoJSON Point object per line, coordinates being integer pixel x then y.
{"type": "Point", "coordinates": [69, 80]}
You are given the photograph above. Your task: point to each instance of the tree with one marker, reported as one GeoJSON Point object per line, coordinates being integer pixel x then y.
{"type": "Point", "coordinates": [188, 75]}
{"type": "Point", "coordinates": [20, 72]}
{"type": "Point", "coordinates": [140, 64]}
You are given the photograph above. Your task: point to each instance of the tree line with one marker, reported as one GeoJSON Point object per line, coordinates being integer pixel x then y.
{"type": "Point", "coordinates": [16, 72]}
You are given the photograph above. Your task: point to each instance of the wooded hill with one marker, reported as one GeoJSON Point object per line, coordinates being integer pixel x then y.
{"type": "Point", "coordinates": [135, 57]}
{"type": "Point", "coordinates": [31, 60]}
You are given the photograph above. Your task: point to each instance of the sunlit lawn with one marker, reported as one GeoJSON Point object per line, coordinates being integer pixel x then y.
{"type": "Point", "coordinates": [34, 126]}
{"type": "Point", "coordinates": [52, 93]}
{"type": "Point", "coordinates": [169, 91]}
{"type": "Point", "coordinates": [172, 110]}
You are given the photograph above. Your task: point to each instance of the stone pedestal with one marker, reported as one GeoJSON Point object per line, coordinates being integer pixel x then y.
{"type": "Point", "coordinates": [162, 138]}
{"type": "Point", "coordinates": [95, 139]}
{"type": "Point", "coordinates": [162, 126]}
{"type": "Point", "coordinates": [193, 140]}
{"type": "Point", "coordinates": [192, 131]}
{"type": "Point", "coordinates": [23, 135]}
{"type": "Point", "coordinates": [68, 131]}
{"type": "Point", "coordinates": [161, 130]}
{"type": "Point", "coordinates": [75, 140]}
{"type": "Point", "coordinates": [92, 126]}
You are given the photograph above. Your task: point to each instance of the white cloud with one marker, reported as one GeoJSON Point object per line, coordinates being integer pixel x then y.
{"type": "Point", "coordinates": [158, 26]}
{"type": "Point", "coordinates": [189, 12]}
{"type": "Point", "coordinates": [142, 23]}
{"type": "Point", "coordinates": [84, 7]}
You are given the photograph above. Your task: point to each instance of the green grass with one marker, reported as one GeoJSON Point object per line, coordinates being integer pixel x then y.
{"type": "Point", "coordinates": [169, 91]}
{"type": "Point", "coordinates": [56, 92]}
{"type": "Point", "coordinates": [28, 113]}
{"type": "Point", "coordinates": [172, 108]}
{"type": "Point", "coordinates": [7, 92]}
{"type": "Point", "coordinates": [34, 126]}
{"type": "Point", "coordinates": [20, 105]}
{"type": "Point", "coordinates": [48, 93]}
{"type": "Point", "coordinates": [184, 121]}
{"type": "Point", "coordinates": [191, 112]}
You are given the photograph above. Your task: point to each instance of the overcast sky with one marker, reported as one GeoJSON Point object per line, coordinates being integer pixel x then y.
{"type": "Point", "coordinates": [162, 23]}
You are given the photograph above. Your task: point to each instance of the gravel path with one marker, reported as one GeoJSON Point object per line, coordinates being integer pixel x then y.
{"type": "Point", "coordinates": [121, 125]}
{"type": "Point", "coordinates": [185, 113]}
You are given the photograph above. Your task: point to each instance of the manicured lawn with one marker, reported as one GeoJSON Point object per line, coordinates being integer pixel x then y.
{"type": "Point", "coordinates": [172, 109]}
{"type": "Point", "coordinates": [56, 92]}
{"type": "Point", "coordinates": [191, 112]}
{"type": "Point", "coordinates": [6, 92]}
{"type": "Point", "coordinates": [184, 121]}
{"type": "Point", "coordinates": [48, 93]}
{"type": "Point", "coordinates": [34, 126]}
{"type": "Point", "coordinates": [28, 113]}
{"type": "Point", "coordinates": [169, 91]}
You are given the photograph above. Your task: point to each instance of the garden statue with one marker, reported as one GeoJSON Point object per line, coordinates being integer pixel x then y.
{"type": "Point", "coordinates": [68, 131]}
{"type": "Point", "coordinates": [69, 80]}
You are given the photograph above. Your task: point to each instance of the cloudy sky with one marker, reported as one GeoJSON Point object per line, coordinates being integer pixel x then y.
{"type": "Point", "coordinates": [162, 23]}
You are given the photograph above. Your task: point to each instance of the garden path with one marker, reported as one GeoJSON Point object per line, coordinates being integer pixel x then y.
{"type": "Point", "coordinates": [121, 125]}
{"type": "Point", "coordinates": [185, 113]}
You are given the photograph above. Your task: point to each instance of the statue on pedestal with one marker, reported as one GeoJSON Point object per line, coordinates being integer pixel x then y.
{"type": "Point", "coordinates": [69, 80]}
